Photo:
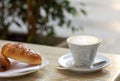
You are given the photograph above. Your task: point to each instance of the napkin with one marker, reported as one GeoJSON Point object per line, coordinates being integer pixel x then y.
{"type": "Point", "coordinates": [19, 67]}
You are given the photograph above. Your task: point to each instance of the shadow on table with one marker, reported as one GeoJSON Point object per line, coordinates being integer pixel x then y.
{"type": "Point", "coordinates": [98, 74]}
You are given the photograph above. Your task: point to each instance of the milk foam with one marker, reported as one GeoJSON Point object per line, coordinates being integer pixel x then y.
{"type": "Point", "coordinates": [83, 40]}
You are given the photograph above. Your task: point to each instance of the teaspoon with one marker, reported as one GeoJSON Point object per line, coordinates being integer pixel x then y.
{"type": "Point", "coordinates": [94, 65]}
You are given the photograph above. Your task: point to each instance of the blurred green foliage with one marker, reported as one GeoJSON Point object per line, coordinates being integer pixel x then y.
{"type": "Point", "coordinates": [29, 11]}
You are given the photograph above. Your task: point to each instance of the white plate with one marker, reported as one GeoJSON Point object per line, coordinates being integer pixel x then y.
{"type": "Point", "coordinates": [19, 68]}
{"type": "Point", "coordinates": [67, 61]}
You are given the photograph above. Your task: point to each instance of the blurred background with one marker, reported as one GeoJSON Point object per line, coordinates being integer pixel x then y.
{"type": "Point", "coordinates": [50, 22]}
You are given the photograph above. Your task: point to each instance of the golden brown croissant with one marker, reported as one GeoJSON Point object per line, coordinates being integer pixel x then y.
{"type": "Point", "coordinates": [19, 52]}
{"type": "Point", "coordinates": [4, 63]}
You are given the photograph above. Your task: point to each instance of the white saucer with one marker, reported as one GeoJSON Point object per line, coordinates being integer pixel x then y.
{"type": "Point", "coordinates": [67, 61]}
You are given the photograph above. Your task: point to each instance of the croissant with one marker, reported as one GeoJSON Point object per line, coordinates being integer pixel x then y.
{"type": "Point", "coordinates": [4, 63]}
{"type": "Point", "coordinates": [18, 51]}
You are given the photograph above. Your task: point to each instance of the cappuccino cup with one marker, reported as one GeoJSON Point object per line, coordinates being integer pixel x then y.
{"type": "Point", "coordinates": [83, 49]}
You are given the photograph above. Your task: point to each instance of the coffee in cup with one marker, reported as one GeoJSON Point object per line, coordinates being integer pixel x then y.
{"type": "Point", "coordinates": [83, 49]}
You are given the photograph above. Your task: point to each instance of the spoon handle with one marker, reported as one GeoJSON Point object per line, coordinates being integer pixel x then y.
{"type": "Point", "coordinates": [62, 68]}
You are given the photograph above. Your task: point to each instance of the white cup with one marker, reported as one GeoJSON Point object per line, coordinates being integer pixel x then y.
{"type": "Point", "coordinates": [83, 49]}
